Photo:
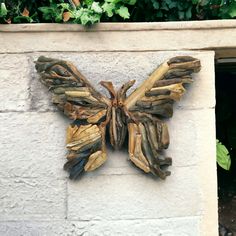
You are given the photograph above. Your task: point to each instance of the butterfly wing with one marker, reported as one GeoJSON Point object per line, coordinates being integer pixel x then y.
{"type": "Point", "coordinates": [76, 98]}
{"type": "Point", "coordinates": [147, 108]}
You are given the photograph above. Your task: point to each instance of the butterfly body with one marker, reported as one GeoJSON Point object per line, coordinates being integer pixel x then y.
{"type": "Point", "coordinates": [140, 115]}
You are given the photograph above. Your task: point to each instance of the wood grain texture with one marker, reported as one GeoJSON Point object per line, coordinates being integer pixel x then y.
{"type": "Point", "coordinates": [141, 114]}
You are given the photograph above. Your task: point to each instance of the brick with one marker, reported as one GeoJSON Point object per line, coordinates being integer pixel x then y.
{"type": "Point", "coordinates": [14, 77]}
{"type": "Point", "coordinates": [27, 199]}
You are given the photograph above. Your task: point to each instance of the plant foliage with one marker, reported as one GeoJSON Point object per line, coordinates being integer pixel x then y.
{"type": "Point", "coordinates": [91, 11]}
{"type": "Point", "coordinates": [74, 11]}
{"type": "Point", "coordinates": [223, 157]}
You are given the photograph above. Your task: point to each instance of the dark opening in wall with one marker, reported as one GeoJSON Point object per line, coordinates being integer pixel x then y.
{"type": "Point", "coordinates": [226, 134]}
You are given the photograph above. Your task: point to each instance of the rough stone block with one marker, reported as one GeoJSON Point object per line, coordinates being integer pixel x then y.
{"type": "Point", "coordinates": [187, 226]}
{"type": "Point", "coordinates": [138, 196]}
{"type": "Point", "coordinates": [27, 199]}
{"type": "Point", "coordinates": [40, 96]}
{"type": "Point", "coordinates": [191, 132]}
{"type": "Point", "coordinates": [32, 145]}
{"type": "Point", "coordinates": [14, 78]}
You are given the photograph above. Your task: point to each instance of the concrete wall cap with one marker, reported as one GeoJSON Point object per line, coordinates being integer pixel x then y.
{"type": "Point", "coordinates": [143, 26]}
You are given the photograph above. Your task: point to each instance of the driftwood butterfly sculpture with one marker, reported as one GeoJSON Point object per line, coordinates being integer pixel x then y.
{"type": "Point", "coordinates": [140, 115]}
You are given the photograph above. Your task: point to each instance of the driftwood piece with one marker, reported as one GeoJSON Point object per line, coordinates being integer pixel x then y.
{"type": "Point", "coordinates": [140, 114]}
{"type": "Point", "coordinates": [152, 101]}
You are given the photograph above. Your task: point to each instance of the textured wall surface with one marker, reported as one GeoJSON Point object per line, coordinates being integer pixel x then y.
{"type": "Point", "coordinates": [36, 197]}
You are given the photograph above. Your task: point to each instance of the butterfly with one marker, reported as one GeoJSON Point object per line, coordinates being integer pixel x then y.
{"type": "Point", "coordinates": [140, 115]}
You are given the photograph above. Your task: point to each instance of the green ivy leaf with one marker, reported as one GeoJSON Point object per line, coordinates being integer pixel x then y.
{"type": "Point", "coordinates": [108, 8]}
{"type": "Point", "coordinates": [3, 10]}
{"type": "Point", "coordinates": [155, 4]}
{"type": "Point", "coordinates": [164, 6]}
{"type": "Point", "coordinates": [64, 6]}
{"type": "Point", "coordinates": [159, 14]}
{"type": "Point", "coordinates": [96, 7]}
{"type": "Point", "coordinates": [88, 2]}
{"type": "Point", "coordinates": [48, 12]}
{"type": "Point", "coordinates": [22, 19]}
{"type": "Point", "coordinates": [188, 13]}
{"type": "Point", "coordinates": [84, 19]}
{"type": "Point", "coordinates": [130, 2]}
{"type": "Point", "coordinates": [181, 15]}
{"type": "Point", "coordinates": [58, 18]}
{"type": "Point", "coordinates": [87, 17]}
{"type": "Point", "coordinates": [180, 6]}
{"type": "Point", "coordinates": [223, 157]}
{"type": "Point", "coordinates": [113, 1]}
{"type": "Point", "coordinates": [232, 10]}
{"type": "Point", "coordinates": [168, 2]}
{"type": "Point", "coordinates": [172, 5]}
{"type": "Point", "coordinates": [77, 14]}
{"type": "Point", "coordinates": [123, 12]}
{"type": "Point", "coordinates": [204, 2]}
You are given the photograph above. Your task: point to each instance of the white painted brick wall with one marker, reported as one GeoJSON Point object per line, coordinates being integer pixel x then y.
{"type": "Point", "coordinates": [36, 197]}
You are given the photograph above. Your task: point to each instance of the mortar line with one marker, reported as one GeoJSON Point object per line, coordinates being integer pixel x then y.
{"type": "Point", "coordinates": [104, 220]}
{"type": "Point", "coordinates": [29, 58]}
{"type": "Point", "coordinates": [66, 200]}
{"type": "Point", "coordinates": [90, 177]}
{"type": "Point", "coordinates": [113, 51]}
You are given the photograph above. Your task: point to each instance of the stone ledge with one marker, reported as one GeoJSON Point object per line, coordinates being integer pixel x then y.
{"type": "Point", "coordinates": [133, 26]}
{"type": "Point", "coordinates": [113, 37]}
